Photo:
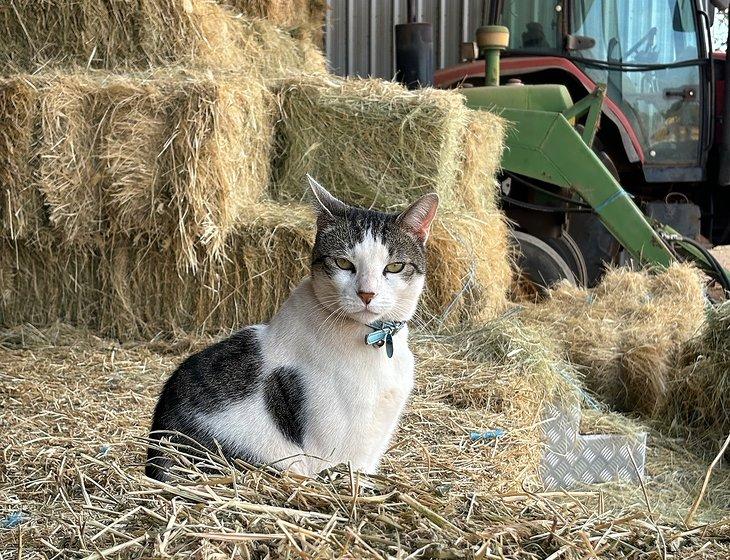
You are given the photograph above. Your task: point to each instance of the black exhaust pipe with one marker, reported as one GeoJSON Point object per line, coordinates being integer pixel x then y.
{"type": "Point", "coordinates": [414, 51]}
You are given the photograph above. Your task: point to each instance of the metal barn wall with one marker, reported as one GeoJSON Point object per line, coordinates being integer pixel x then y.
{"type": "Point", "coordinates": [359, 33]}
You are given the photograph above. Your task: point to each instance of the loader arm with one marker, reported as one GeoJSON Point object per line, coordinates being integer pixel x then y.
{"type": "Point", "coordinates": [542, 143]}
{"type": "Point", "coordinates": [545, 146]}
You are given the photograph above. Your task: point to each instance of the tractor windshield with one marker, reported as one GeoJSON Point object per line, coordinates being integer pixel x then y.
{"type": "Point", "coordinates": [647, 52]}
{"type": "Point", "coordinates": [534, 26]}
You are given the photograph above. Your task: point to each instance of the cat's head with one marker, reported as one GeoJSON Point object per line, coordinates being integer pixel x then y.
{"type": "Point", "coordinates": [369, 265]}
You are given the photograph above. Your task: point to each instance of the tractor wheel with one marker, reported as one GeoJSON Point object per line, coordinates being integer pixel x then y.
{"type": "Point", "coordinates": [568, 249]}
{"type": "Point", "coordinates": [539, 264]}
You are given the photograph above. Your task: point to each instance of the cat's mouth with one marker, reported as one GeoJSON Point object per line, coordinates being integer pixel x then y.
{"type": "Point", "coordinates": [366, 316]}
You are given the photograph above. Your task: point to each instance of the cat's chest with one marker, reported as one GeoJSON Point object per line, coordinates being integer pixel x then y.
{"type": "Point", "coordinates": [364, 381]}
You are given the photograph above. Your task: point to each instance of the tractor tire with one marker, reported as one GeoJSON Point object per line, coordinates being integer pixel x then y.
{"type": "Point", "coordinates": [568, 249]}
{"type": "Point", "coordinates": [539, 263]}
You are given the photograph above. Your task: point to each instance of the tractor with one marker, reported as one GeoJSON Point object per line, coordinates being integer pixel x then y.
{"type": "Point", "coordinates": [617, 151]}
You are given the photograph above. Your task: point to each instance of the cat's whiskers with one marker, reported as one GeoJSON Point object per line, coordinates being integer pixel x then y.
{"type": "Point", "coordinates": [399, 311]}
{"type": "Point", "coordinates": [334, 317]}
{"type": "Point", "coordinates": [331, 329]}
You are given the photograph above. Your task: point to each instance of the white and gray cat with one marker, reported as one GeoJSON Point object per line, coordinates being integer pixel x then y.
{"type": "Point", "coordinates": [309, 389]}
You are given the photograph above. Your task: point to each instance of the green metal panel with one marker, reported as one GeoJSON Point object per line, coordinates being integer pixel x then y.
{"type": "Point", "coordinates": [544, 145]}
{"type": "Point", "coordinates": [545, 98]}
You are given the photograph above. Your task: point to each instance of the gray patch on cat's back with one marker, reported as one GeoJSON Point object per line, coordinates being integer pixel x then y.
{"type": "Point", "coordinates": [206, 382]}
{"type": "Point", "coordinates": [285, 401]}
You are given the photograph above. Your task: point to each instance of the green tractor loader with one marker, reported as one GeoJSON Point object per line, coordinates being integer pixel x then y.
{"type": "Point", "coordinates": [617, 151]}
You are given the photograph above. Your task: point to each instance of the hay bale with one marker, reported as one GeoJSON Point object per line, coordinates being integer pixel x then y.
{"type": "Point", "coordinates": [21, 206]}
{"type": "Point", "coordinates": [69, 177]}
{"type": "Point", "coordinates": [282, 13]}
{"type": "Point", "coordinates": [481, 157]}
{"type": "Point", "coordinates": [140, 289]}
{"type": "Point", "coordinates": [166, 158]}
{"type": "Point", "coordinates": [468, 274]}
{"type": "Point", "coordinates": [375, 143]}
{"type": "Point", "coordinates": [130, 291]}
{"type": "Point", "coordinates": [211, 140]}
{"type": "Point", "coordinates": [117, 34]}
{"type": "Point", "coordinates": [700, 388]}
{"type": "Point", "coordinates": [627, 332]}
{"type": "Point", "coordinates": [306, 15]}
{"type": "Point", "coordinates": [41, 284]}
{"type": "Point", "coordinates": [268, 255]}
{"type": "Point", "coordinates": [137, 35]}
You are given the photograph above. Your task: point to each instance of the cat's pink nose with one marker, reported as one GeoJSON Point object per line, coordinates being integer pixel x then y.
{"type": "Point", "coordinates": [366, 297]}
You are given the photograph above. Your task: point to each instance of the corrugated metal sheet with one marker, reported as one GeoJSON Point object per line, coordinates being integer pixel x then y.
{"type": "Point", "coordinates": [359, 33]}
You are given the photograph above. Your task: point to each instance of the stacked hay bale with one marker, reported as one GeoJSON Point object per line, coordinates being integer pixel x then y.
{"type": "Point", "coordinates": [153, 169]}
{"type": "Point", "coordinates": [128, 35]}
{"type": "Point", "coordinates": [173, 156]}
{"type": "Point", "coordinates": [628, 333]}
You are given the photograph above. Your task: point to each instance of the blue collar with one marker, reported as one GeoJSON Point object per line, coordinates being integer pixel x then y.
{"type": "Point", "coordinates": [383, 332]}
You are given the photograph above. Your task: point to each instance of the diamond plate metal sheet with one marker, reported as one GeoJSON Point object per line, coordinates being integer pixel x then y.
{"type": "Point", "coordinates": [571, 459]}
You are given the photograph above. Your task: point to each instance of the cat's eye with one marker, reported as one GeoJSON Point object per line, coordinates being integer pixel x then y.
{"type": "Point", "coordinates": [344, 264]}
{"type": "Point", "coordinates": [395, 267]}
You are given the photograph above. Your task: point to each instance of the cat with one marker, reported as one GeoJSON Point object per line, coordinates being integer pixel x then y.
{"type": "Point", "coordinates": [307, 391]}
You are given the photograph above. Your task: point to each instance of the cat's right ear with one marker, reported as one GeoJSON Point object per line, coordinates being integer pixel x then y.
{"type": "Point", "coordinates": [326, 205]}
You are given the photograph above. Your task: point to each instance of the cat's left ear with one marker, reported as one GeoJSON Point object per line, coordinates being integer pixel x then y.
{"type": "Point", "coordinates": [419, 215]}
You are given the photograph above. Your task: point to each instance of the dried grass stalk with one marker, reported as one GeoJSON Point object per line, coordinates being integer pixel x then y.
{"type": "Point", "coordinates": [627, 332]}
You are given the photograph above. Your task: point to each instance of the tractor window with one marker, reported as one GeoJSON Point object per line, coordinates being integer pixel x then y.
{"type": "Point", "coordinates": [637, 31]}
{"type": "Point", "coordinates": [533, 25]}
{"type": "Point", "coordinates": [663, 104]}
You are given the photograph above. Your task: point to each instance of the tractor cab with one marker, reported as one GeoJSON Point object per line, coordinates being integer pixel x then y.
{"type": "Point", "coordinates": [609, 100]}
{"type": "Point", "coordinates": [653, 55]}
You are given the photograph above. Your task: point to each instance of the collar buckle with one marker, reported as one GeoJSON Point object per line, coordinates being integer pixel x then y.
{"type": "Point", "coordinates": [382, 335]}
